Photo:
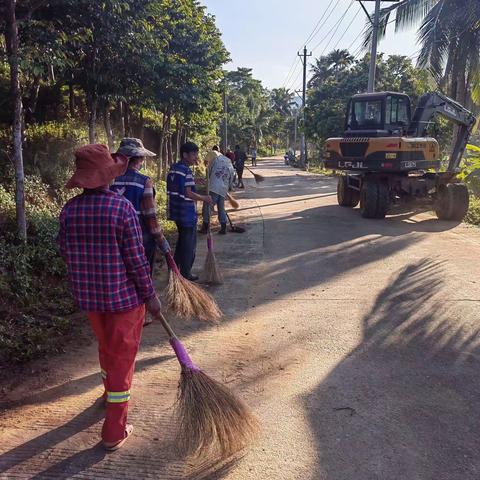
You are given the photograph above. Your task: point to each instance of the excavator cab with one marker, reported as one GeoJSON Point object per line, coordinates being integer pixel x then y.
{"type": "Point", "coordinates": [382, 114]}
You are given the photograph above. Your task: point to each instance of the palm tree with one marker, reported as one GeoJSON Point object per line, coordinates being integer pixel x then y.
{"type": "Point", "coordinates": [330, 65]}
{"type": "Point", "coordinates": [282, 101]}
{"type": "Point", "coordinates": [449, 37]}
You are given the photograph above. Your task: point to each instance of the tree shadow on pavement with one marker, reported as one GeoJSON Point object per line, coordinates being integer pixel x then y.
{"type": "Point", "coordinates": [39, 445]}
{"type": "Point", "coordinates": [80, 385]}
{"type": "Point", "coordinates": [404, 403]}
{"type": "Point", "coordinates": [73, 465]}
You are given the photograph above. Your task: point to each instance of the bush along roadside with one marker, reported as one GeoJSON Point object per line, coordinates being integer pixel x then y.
{"type": "Point", "coordinates": [33, 287]}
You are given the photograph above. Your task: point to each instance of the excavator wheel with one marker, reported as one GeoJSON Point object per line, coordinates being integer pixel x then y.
{"type": "Point", "coordinates": [346, 196]}
{"type": "Point", "coordinates": [374, 199]}
{"type": "Point", "coordinates": [452, 202]}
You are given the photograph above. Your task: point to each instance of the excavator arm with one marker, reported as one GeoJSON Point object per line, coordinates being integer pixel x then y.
{"type": "Point", "coordinates": [435, 103]}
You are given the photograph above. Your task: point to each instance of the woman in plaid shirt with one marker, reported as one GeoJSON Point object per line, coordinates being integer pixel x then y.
{"type": "Point", "coordinates": [101, 241]}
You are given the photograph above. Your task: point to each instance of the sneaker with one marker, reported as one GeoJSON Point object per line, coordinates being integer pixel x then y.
{"type": "Point", "coordinates": [193, 278]}
{"type": "Point", "coordinates": [223, 230]}
{"type": "Point", "coordinates": [204, 228]}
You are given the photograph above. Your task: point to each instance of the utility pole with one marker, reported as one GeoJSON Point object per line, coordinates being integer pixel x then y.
{"type": "Point", "coordinates": [303, 146]}
{"type": "Point", "coordinates": [373, 55]}
{"type": "Point", "coordinates": [225, 116]}
{"type": "Point", "coordinates": [295, 133]}
{"type": "Point", "coordinates": [373, 51]}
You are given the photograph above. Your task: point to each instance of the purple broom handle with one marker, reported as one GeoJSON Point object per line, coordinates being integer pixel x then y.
{"type": "Point", "coordinates": [182, 355]}
{"type": "Point", "coordinates": [209, 242]}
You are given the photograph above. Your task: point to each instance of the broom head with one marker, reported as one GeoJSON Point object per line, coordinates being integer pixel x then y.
{"type": "Point", "coordinates": [187, 300]}
{"type": "Point", "coordinates": [233, 202]}
{"type": "Point", "coordinates": [258, 178]}
{"type": "Point", "coordinates": [211, 272]}
{"type": "Point", "coordinates": [211, 419]}
{"type": "Point", "coordinates": [237, 229]}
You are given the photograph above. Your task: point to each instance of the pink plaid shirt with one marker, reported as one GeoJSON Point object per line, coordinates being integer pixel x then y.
{"type": "Point", "coordinates": [101, 241]}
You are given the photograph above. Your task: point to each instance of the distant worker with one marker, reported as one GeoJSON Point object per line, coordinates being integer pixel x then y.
{"type": "Point", "coordinates": [220, 178]}
{"type": "Point", "coordinates": [231, 155]}
{"type": "Point", "coordinates": [240, 157]}
{"type": "Point", "coordinates": [254, 157]}
{"type": "Point", "coordinates": [181, 207]}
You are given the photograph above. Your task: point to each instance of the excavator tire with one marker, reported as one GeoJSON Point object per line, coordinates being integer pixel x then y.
{"type": "Point", "coordinates": [452, 202]}
{"type": "Point", "coordinates": [347, 197]}
{"type": "Point", "coordinates": [374, 199]}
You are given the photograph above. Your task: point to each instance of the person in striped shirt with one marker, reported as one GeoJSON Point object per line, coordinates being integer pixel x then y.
{"type": "Point", "coordinates": [101, 241]}
{"type": "Point", "coordinates": [139, 190]}
{"type": "Point", "coordinates": [181, 207]}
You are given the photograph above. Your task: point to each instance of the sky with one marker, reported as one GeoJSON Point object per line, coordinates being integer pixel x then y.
{"type": "Point", "coordinates": [265, 35]}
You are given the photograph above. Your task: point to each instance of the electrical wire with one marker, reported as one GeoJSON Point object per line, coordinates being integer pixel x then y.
{"type": "Point", "coordinates": [339, 21]}
{"type": "Point", "coordinates": [291, 71]}
{"type": "Point", "coordinates": [317, 28]}
{"type": "Point", "coordinates": [312, 35]}
{"type": "Point", "coordinates": [346, 30]}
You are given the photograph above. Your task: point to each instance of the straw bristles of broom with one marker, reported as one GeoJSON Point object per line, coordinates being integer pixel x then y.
{"type": "Point", "coordinates": [233, 201]}
{"type": "Point", "coordinates": [188, 300]}
{"type": "Point", "coordinates": [211, 272]}
{"type": "Point", "coordinates": [211, 418]}
{"type": "Point", "coordinates": [258, 178]}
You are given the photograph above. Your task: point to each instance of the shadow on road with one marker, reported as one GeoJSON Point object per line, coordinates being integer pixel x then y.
{"type": "Point", "coordinates": [80, 385]}
{"type": "Point", "coordinates": [48, 440]}
{"type": "Point", "coordinates": [404, 403]}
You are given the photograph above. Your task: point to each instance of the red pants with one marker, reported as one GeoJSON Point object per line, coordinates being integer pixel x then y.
{"type": "Point", "coordinates": [118, 336]}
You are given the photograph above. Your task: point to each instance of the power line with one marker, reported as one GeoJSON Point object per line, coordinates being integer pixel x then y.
{"type": "Point", "coordinates": [346, 30]}
{"type": "Point", "coordinates": [294, 71]}
{"type": "Point", "coordinates": [356, 38]}
{"type": "Point", "coordinates": [291, 71]}
{"type": "Point", "coordinates": [313, 33]}
{"type": "Point", "coordinates": [317, 28]}
{"type": "Point", "coordinates": [339, 21]}
{"type": "Point", "coordinates": [292, 84]}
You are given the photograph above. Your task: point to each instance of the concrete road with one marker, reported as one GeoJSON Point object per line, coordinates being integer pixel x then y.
{"type": "Point", "coordinates": [355, 341]}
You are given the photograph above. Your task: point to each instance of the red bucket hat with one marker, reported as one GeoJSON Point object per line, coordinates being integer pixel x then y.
{"type": "Point", "coordinates": [96, 166]}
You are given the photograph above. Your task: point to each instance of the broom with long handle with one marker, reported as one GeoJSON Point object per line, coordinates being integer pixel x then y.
{"type": "Point", "coordinates": [186, 299]}
{"type": "Point", "coordinates": [258, 178]}
{"type": "Point", "coordinates": [210, 417]}
{"type": "Point", "coordinates": [211, 271]}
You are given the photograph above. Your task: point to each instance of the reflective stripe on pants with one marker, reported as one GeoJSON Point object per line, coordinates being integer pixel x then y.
{"type": "Point", "coordinates": [118, 336]}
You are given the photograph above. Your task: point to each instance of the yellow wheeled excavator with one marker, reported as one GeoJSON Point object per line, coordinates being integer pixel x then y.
{"type": "Point", "coordinates": [387, 159]}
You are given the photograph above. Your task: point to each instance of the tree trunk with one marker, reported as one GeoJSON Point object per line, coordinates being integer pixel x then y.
{"type": "Point", "coordinates": [161, 164]}
{"type": "Point", "coordinates": [92, 118]}
{"type": "Point", "coordinates": [178, 132]}
{"type": "Point", "coordinates": [169, 151]}
{"type": "Point", "coordinates": [164, 160]}
{"type": "Point", "coordinates": [126, 119]}
{"type": "Point", "coordinates": [141, 126]}
{"type": "Point", "coordinates": [11, 40]}
{"type": "Point", "coordinates": [122, 120]}
{"type": "Point", "coordinates": [32, 100]}
{"type": "Point", "coordinates": [108, 127]}
{"type": "Point", "coordinates": [71, 100]}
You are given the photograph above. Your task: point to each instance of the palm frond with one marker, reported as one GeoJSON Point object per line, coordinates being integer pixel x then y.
{"type": "Point", "coordinates": [476, 87]}
{"type": "Point", "coordinates": [435, 36]}
{"type": "Point", "coordinates": [411, 12]}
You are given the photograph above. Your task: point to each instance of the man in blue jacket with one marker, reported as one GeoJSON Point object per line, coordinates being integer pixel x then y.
{"type": "Point", "coordinates": [181, 207]}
